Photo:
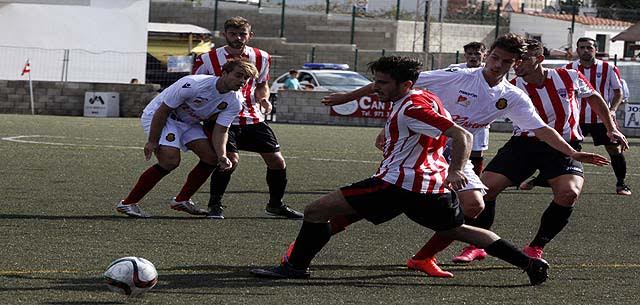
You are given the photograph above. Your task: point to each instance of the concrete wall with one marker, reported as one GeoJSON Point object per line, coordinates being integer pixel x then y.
{"type": "Point", "coordinates": [67, 98]}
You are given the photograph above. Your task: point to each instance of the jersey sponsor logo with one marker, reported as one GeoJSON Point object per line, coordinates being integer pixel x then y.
{"type": "Point", "coordinates": [222, 106]}
{"type": "Point", "coordinates": [501, 103]}
{"type": "Point", "coordinates": [464, 122]}
{"type": "Point", "coordinates": [462, 92]}
{"type": "Point", "coordinates": [574, 169]}
{"type": "Point", "coordinates": [562, 92]}
{"type": "Point", "coordinates": [463, 100]}
{"type": "Point", "coordinates": [187, 85]}
{"type": "Point", "coordinates": [170, 137]}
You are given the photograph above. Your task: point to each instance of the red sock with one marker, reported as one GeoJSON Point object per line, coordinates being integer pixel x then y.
{"type": "Point", "coordinates": [436, 244]}
{"type": "Point", "coordinates": [478, 164]}
{"type": "Point", "coordinates": [198, 176]}
{"type": "Point", "coordinates": [145, 183]}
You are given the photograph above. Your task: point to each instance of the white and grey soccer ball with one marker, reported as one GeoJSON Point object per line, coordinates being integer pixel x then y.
{"type": "Point", "coordinates": [131, 275]}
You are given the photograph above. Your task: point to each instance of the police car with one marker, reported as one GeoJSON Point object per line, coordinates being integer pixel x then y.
{"type": "Point", "coordinates": [324, 77]}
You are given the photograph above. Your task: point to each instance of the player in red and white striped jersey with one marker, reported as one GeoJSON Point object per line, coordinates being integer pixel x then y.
{"type": "Point", "coordinates": [413, 178]}
{"type": "Point", "coordinates": [605, 78]}
{"type": "Point", "coordinates": [249, 131]}
{"type": "Point", "coordinates": [555, 93]}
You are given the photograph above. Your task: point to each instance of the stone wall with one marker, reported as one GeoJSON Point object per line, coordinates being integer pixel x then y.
{"type": "Point", "coordinates": [67, 98]}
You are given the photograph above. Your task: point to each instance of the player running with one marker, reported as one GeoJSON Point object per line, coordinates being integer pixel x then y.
{"type": "Point", "coordinates": [249, 131]}
{"type": "Point", "coordinates": [413, 179]}
{"type": "Point", "coordinates": [172, 123]}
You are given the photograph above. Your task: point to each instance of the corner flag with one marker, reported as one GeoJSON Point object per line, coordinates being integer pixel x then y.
{"type": "Point", "coordinates": [26, 68]}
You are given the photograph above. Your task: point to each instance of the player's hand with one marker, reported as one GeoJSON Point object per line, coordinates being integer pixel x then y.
{"type": "Point", "coordinates": [456, 179]}
{"type": "Point", "coordinates": [380, 140]}
{"type": "Point", "coordinates": [224, 163]}
{"type": "Point", "coordinates": [590, 158]}
{"type": "Point", "coordinates": [335, 99]}
{"type": "Point", "coordinates": [149, 149]}
{"type": "Point", "coordinates": [265, 106]}
{"type": "Point", "coordinates": [617, 137]}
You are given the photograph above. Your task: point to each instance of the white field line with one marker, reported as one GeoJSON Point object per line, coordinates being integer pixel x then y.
{"type": "Point", "coordinates": [23, 139]}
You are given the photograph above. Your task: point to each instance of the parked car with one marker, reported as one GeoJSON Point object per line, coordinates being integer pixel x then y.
{"type": "Point", "coordinates": [323, 77]}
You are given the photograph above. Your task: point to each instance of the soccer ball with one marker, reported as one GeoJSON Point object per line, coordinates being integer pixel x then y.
{"type": "Point", "coordinates": [131, 275]}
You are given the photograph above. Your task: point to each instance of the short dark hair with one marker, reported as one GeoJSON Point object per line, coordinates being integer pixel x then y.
{"type": "Point", "coordinates": [399, 68]}
{"type": "Point", "coordinates": [293, 71]}
{"type": "Point", "coordinates": [535, 47]}
{"type": "Point", "coordinates": [475, 45]}
{"type": "Point", "coordinates": [512, 43]}
{"type": "Point", "coordinates": [587, 39]}
{"type": "Point", "coordinates": [237, 22]}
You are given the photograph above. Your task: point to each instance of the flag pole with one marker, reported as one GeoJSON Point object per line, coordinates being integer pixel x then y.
{"type": "Point", "coordinates": [33, 112]}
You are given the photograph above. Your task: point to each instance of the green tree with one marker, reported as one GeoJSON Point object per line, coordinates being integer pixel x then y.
{"type": "Point", "coordinates": [622, 4]}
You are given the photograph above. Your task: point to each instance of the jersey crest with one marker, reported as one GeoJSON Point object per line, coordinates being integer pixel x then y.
{"type": "Point", "coordinates": [501, 103]}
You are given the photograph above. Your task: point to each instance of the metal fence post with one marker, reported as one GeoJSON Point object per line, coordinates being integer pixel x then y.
{"type": "Point", "coordinates": [355, 63]}
{"type": "Point", "coordinates": [215, 16]}
{"type": "Point", "coordinates": [457, 56]}
{"type": "Point", "coordinates": [398, 10]}
{"type": "Point", "coordinates": [499, 4]}
{"type": "Point", "coordinates": [326, 10]}
{"type": "Point", "coordinates": [284, 4]}
{"type": "Point", "coordinates": [353, 23]}
{"type": "Point", "coordinates": [482, 6]}
{"type": "Point", "coordinates": [313, 54]}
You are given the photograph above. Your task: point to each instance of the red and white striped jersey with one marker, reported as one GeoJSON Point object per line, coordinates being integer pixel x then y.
{"type": "Point", "coordinates": [605, 78]}
{"type": "Point", "coordinates": [414, 144]}
{"type": "Point", "coordinates": [557, 101]}
{"type": "Point", "coordinates": [212, 62]}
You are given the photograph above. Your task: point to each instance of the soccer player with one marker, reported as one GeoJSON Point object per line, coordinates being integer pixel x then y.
{"type": "Point", "coordinates": [476, 98]}
{"type": "Point", "coordinates": [605, 78]}
{"type": "Point", "coordinates": [413, 179]}
{"type": "Point", "coordinates": [172, 122]}
{"type": "Point", "coordinates": [248, 131]}
{"type": "Point", "coordinates": [556, 94]}
{"type": "Point", "coordinates": [474, 54]}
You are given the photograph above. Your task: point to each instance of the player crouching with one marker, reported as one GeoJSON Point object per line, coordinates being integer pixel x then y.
{"type": "Point", "coordinates": [413, 179]}
{"type": "Point", "coordinates": [172, 122]}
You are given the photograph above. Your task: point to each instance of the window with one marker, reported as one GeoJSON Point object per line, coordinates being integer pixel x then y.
{"type": "Point", "coordinates": [601, 42]}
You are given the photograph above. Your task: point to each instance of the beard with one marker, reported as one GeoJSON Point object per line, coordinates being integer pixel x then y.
{"type": "Point", "coordinates": [236, 44]}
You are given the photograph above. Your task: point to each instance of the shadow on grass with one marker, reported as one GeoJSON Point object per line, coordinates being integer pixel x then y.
{"type": "Point", "coordinates": [309, 192]}
{"type": "Point", "coordinates": [202, 278]}
{"type": "Point", "coordinates": [119, 218]}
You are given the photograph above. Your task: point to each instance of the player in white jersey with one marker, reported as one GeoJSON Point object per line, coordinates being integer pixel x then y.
{"type": "Point", "coordinates": [172, 122]}
{"type": "Point", "coordinates": [556, 94]}
{"type": "Point", "coordinates": [474, 54]}
{"type": "Point", "coordinates": [475, 98]}
{"type": "Point", "coordinates": [605, 78]}
{"type": "Point", "coordinates": [413, 179]}
{"type": "Point", "coordinates": [249, 131]}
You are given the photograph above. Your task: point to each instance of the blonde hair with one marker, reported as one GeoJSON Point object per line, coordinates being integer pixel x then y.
{"type": "Point", "coordinates": [246, 66]}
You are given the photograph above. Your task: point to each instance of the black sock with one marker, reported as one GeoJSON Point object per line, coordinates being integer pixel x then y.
{"type": "Point", "coordinates": [219, 182]}
{"type": "Point", "coordinates": [277, 182]}
{"type": "Point", "coordinates": [507, 252]}
{"type": "Point", "coordinates": [619, 165]}
{"type": "Point", "coordinates": [553, 220]}
{"type": "Point", "coordinates": [486, 217]}
{"type": "Point", "coordinates": [311, 239]}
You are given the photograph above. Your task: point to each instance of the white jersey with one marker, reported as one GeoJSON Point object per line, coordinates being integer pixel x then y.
{"type": "Point", "coordinates": [604, 78]}
{"type": "Point", "coordinates": [558, 101]}
{"type": "Point", "coordinates": [195, 98]}
{"type": "Point", "coordinates": [462, 66]}
{"type": "Point", "coordinates": [211, 63]}
{"type": "Point", "coordinates": [414, 144]}
{"type": "Point", "coordinates": [473, 104]}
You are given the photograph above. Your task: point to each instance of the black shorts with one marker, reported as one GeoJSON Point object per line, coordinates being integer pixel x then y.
{"type": "Point", "coordinates": [257, 138]}
{"type": "Point", "coordinates": [598, 133]}
{"type": "Point", "coordinates": [520, 157]}
{"type": "Point", "coordinates": [379, 201]}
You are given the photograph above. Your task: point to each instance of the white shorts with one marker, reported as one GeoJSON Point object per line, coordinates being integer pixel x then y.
{"type": "Point", "coordinates": [473, 181]}
{"type": "Point", "coordinates": [175, 133]}
{"type": "Point", "coordinates": [481, 139]}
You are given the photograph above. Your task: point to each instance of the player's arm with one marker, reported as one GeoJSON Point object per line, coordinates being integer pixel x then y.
{"type": "Point", "coordinates": [460, 150]}
{"type": "Point", "coordinates": [262, 96]}
{"type": "Point", "coordinates": [157, 124]}
{"type": "Point", "coordinates": [344, 97]}
{"type": "Point", "coordinates": [615, 101]}
{"type": "Point", "coordinates": [600, 108]}
{"type": "Point", "coordinates": [219, 138]}
{"type": "Point", "coordinates": [553, 138]}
